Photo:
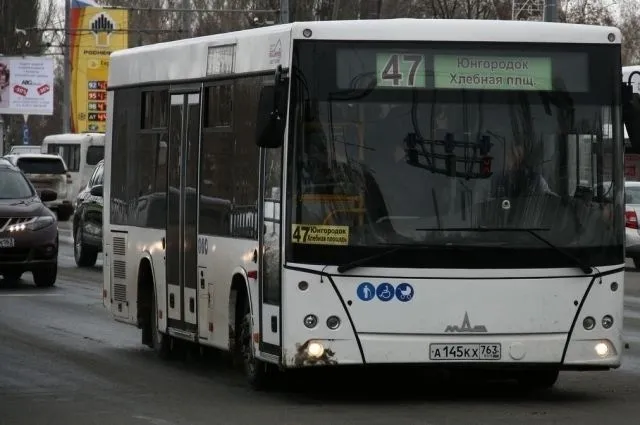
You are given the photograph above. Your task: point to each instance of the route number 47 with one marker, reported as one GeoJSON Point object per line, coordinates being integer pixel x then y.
{"type": "Point", "coordinates": [401, 70]}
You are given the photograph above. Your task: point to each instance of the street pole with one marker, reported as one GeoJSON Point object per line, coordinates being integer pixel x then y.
{"type": "Point", "coordinates": [284, 11]}
{"type": "Point", "coordinates": [66, 102]}
{"type": "Point", "coordinates": [550, 10]}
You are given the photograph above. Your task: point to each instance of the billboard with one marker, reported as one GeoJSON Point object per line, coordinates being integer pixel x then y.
{"type": "Point", "coordinates": [26, 85]}
{"type": "Point", "coordinates": [95, 33]}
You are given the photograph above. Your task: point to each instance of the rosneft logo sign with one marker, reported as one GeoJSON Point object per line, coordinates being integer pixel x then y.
{"type": "Point", "coordinates": [102, 26]}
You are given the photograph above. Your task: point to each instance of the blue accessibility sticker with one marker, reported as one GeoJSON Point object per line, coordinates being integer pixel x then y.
{"type": "Point", "coordinates": [385, 292]}
{"type": "Point", "coordinates": [404, 292]}
{"type": "Point", "coordinates": [366, 291]}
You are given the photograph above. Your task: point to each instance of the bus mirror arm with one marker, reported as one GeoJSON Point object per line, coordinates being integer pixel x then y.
{"type": "Point", "coordinates": [631, 113]}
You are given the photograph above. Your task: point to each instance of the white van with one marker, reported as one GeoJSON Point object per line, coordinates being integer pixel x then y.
{"type": "Point", "coordinates": [80, 151]}
{"type": "Point", "coordinates": [22, 149]}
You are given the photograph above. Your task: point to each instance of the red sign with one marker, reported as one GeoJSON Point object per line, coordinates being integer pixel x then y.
{"type": "Point", "coordinates": [44, 89]}
{"type": "Point", "coordinates": [22, 91]}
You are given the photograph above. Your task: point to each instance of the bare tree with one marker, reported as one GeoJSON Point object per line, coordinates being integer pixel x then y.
{"type": "Point", "coordinates": [629, 24]}
{"type": "Point", "coordinates": [591, 12]}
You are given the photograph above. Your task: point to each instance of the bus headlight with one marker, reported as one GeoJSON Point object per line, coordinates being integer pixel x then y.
{"type": "Point", "coordinates": [589, 323]}
{"type": "Point", "coordinates": [607, 321]}
{"type": "Point", "coordinates": [315, 349]}
{"type": "Point", "coordinates": [333, 322]}
{"type": "Point", "coordinates": [310, 321]}
{"type": "Point", "coordinates": [602, 349]}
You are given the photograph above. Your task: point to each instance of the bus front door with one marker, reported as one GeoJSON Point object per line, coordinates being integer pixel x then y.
{"type": "Point", "coordinates": [270, 293]}
{"type": "Point", "coordinates": [182, 213]}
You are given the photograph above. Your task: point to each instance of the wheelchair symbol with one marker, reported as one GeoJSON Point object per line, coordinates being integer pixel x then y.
{"type": "Point", "coordinates": [404, 292]}
{"type": "Point", "coordinates": [385, 292]}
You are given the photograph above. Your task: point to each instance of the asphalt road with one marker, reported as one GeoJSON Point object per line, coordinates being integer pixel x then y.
{"type": "Point", "coordinates": [64, 361]}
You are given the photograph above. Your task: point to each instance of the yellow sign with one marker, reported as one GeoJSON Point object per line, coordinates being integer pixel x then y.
{"type": "Point", "coordinates": [320, 235]}
{"type": "Point", "coordinates": [95, 34]}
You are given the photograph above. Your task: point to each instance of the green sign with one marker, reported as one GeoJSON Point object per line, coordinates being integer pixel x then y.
{"type": "Point", "coordinates": [492, 72]}
{"type": "Point", "coordinates": [400, 70]}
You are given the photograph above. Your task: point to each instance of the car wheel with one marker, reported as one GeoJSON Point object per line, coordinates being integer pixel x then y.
{"type": "Point", "coordinates": [45, 276]}
{"type": "Point", "coordinates": [84, 255]}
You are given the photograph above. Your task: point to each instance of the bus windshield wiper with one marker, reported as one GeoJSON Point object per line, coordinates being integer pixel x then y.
{"type": "Point", "coordinates": [372, 258]}
{"type": "Point", "coordinates": [584, 267]}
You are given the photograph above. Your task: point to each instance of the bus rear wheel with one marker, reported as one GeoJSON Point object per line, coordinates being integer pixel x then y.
{"type": "Point", "coordinates": [259, 374]}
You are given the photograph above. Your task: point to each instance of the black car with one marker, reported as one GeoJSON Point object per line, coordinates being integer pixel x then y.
{"type": "Point", "coordinates": [87, 220]}
{"type": "Point", "coordinates": [28, 229]}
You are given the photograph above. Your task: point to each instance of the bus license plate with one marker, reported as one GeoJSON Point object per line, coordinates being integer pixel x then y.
{"type": "Point", "coordinates": [478, 352]}
{"type": "Point", "coordinates": [7, 242]}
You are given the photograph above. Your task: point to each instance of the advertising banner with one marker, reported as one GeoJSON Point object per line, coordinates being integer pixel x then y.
{"type": "Point", "coordinates": [26, 85]}
{"type": "Point", "coordinates": [95, 34]}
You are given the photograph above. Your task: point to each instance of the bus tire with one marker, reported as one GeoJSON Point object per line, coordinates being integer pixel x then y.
{"type": "Point", "coordinates": [161, 343]}
{"type": "Point", "coordinates": [258, 373]}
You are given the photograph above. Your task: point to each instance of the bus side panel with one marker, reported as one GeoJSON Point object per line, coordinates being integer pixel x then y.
{"type": "Point", "coordinates": [220, 261]}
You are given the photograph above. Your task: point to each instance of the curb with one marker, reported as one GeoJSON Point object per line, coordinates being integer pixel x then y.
{"type": "Point", "coordinates": [66, 240]}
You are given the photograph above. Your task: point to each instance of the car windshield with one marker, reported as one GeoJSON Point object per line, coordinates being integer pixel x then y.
{"type": "Point", "coordinates": [429, 147]}
{"type": "Point", "coordinates": [632, 195]}
{"type": "Point", "coordinates": [36, 165]}
{"type": "Point", "coordinates": [13, 185]}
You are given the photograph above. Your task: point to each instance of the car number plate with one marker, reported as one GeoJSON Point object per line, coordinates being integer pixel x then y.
{"type": "Point", "coordinates": [480, 352]}
{"type": "Point", "coordinates": [7, 242]}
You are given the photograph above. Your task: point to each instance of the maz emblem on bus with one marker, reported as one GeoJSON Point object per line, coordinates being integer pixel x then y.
{"type": "Point", "coordinates": [466, 326]}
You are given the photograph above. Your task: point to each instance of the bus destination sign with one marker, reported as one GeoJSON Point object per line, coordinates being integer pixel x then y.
{"type": "Point", "coordinates": [492, 72]}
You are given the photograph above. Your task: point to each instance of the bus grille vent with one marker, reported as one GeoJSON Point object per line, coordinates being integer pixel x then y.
{"type": "Point", "coordinates": [119, 246]}
{"type": "Point", "coordinates": [120, 292]}
{"type": "Point", "coordinates": [119, 269]}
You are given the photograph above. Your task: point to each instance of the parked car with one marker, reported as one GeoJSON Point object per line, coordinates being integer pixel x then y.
{"type": "Point", "coordinates": [47, 172]}
{"type": "Point", "coordinates": [28, 229]}
{"type": "Point", "coordinates": [632, 232]}
{"type": "Point", "coordinates": [87, 220]}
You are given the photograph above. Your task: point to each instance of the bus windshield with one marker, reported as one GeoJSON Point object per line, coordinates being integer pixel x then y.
{"type": "Point", "coordinates": [455, 153]}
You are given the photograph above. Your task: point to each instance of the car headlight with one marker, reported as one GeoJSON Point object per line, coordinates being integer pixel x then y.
{"type": "Point", "coordinates": [35, 223]}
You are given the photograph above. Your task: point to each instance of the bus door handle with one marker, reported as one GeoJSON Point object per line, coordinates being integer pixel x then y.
{"type": "Point", "coordinates": [164, 243]}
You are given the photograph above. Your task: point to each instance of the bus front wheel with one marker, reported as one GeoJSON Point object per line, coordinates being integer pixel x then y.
{"type": "Point", "coordinates": [259, 374]}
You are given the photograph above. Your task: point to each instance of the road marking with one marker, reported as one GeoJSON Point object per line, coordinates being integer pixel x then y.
{"type": "Point", "coordinates": [29, 295]}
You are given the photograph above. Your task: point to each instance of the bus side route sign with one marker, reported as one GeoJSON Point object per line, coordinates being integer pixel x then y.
{"type": "Point", "coordinates": [320, 234]}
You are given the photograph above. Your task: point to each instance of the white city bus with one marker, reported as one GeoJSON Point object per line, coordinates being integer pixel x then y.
{"type": "Point", "coordinates": [372, 192]}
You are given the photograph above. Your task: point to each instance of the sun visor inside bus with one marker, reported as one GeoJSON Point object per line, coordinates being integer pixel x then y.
{"type": "Point", "coordinates": [631, 116]}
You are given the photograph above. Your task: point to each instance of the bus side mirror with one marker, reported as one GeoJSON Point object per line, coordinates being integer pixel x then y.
{"type": "Point", "coordinates": [631, 113]}
{"type": "Point", "coordinates": [272, 108]}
